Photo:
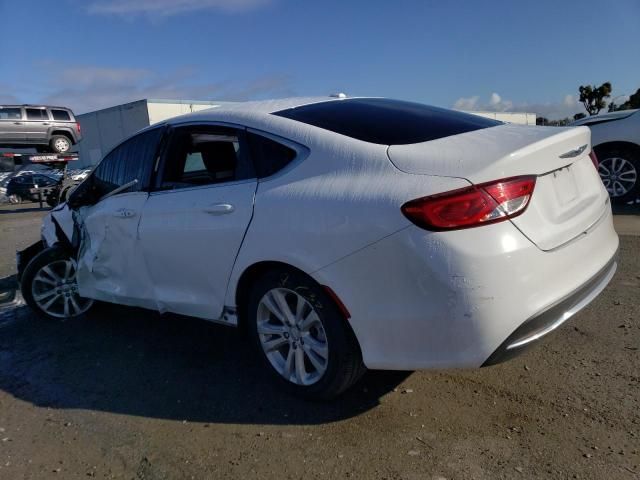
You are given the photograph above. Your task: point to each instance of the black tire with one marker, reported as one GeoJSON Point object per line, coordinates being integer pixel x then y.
{"type": "Point", "coordinates": [52, 200]}
{"type": "Point", "coordinates": [605, 155]}
{"type": "Point", "coordinates": [46, 257]}
{"type": "Point", "coordinates": [344, 366]}
{"type": "Point", "coordinates": [57, 141]}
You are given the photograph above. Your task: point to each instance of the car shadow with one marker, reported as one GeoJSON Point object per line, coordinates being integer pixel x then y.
{"type": "Point", "coordinates": [633, 209]}
{"type": "Point", "coordinates": [135, 362]}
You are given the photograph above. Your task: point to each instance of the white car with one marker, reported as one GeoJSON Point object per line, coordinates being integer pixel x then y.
{"type": "Point", "coordinates": [343, 233]}
{"type": "Point", "coordinates": [616, 140]}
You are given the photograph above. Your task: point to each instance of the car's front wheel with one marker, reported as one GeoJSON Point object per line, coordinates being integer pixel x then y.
{"type": "Point", "coordinates": [302, 337]}
{"type": "Point", "coordinates": [49, 285]}
{"type": "Point", "coordinates": [619, 169]}
{"type": "Point", "coordinates": [60, 144]}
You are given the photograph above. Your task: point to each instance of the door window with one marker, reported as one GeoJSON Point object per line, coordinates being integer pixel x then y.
{"type": "Point", "coordinates": [205, 155]}
{"type": "Point", "coordinates": [131, 160]}
{"type": "Point", "coordinates": [10, 113]}
{"type": "Point", "coordinates": [37, 114]}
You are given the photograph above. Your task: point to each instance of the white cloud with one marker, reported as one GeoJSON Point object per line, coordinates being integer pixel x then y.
{"type": "Point", "coordinates": [469, 103]}
{"type": "Point", "coordinates": [570, 101]}
{"type": "Point", "coordinates": [166, 8]}
{"type": "Point", "coordinates": [565, 107]}
{"type": "Point", "coordinates": [86, 87]}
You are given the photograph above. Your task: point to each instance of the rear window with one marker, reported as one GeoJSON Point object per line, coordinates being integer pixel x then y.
{"type": "Point", "coordinates": [61, 115]}
{"type": "Point", "coordinates": [386, 122]}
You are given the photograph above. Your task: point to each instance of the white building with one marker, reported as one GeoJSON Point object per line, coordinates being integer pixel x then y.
{"type": "Point", "coordinates": [521, 118]}
{"type": "Point", "coordinates": [103, 129]}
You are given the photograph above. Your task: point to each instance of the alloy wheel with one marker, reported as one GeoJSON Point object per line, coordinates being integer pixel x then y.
{"type": "Point", "coordinates": [62, 145]}
{"type": "Point", "coordinates": [292, 336]}
{"type": "Point", "coordinates": [618, 175]}
{"type": "Point", "coordinates": [55, 290]}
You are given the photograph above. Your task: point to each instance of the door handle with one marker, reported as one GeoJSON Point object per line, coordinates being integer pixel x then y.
{"type": "Point", "coordinates": [46, 123]}
{"type": "Point", "coordinates": [17, 123]}
{"type": "Point", "coordinates": [124, 213]}
{"type": "Point", "coordinates": [219, 209]}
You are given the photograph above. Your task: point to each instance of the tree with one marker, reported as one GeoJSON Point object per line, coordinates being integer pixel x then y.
{"type": "Point", "coordinates": [578, 116]}
{"type": "Point", "coordinates": [542, 121]}
{"type": "Point", "coordinates": [632, 103]}
{"type": "Point", "coordinates": [592, 97]}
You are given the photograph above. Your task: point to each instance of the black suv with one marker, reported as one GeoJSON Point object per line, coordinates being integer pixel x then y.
{"type": "Point", "coordinates": [47, 128]}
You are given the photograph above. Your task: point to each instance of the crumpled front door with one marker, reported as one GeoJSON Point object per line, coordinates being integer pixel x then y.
{"type": "Point", "coordinates": [110, 265]}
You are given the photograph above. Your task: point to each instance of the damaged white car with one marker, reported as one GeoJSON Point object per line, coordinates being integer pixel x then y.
{"type": "Point", "coordinates": [343, 233]}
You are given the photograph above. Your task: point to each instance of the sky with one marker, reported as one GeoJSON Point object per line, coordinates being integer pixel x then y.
{"type": "Point", "coordinates": [491, 55]}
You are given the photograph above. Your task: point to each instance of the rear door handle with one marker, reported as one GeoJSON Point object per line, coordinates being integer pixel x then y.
{"type": "Point", "coordinates": [219, 209]}
{"type": "Point", "coordinates": [124, 213]}
{"type": "Point", "coordinates": [17, 123]}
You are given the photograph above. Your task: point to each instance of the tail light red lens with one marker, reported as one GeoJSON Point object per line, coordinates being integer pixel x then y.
{"type": "Point", "coordinates": [594, 159]}
{"type": "Point", "coordinates": [78, 127]}
{"type": "Point", "coordinates": [471, 207]}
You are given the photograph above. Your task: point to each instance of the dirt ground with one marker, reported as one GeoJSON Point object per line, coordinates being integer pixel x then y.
{"type": "Point", "coordinates": [135, 395]}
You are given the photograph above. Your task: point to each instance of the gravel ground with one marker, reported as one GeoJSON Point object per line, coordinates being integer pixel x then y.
{"type": "Point", "coordinates": [135, 395]}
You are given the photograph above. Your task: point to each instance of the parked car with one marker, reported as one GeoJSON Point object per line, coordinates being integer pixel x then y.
{"type": "Point", "coordinates": [615, 138]}
{"type": "Point", "coordinates": [30, 186]}
{"type": "Point", "coordinates": [344, 234]}
{"type": "Point", "coordinates": [47, 128]}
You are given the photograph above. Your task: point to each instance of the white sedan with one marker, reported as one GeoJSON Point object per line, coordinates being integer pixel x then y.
{"type": "Point", "coordinates": [343, 233]}
{"type": "Point", "coordinates": [616, 140]}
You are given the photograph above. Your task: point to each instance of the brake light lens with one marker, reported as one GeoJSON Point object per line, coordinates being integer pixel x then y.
{"type": "Point", "coordinates": [594, 159]}
{"type": "Point", "coordinates": [473, 206]}
{"type": "Point", "coordinates": [78, 127]}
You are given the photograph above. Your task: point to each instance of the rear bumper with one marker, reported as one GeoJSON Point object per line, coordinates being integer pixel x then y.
{"type": "Point", "coordinates": [535, 328]}
{"type": "Point", "coordinates": [422, 300]}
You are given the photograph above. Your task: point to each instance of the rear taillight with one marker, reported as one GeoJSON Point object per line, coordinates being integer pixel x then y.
{"type": "Point", "coordinates": [473, 206]}
{"type": "Point", "coordinates": [78, 126]}
{"type": "Point", "coordinates": [594, 159]}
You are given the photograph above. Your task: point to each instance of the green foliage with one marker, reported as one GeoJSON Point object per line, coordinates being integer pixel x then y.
{"type": "Point", "coordinates": [578, 116]}
{"type": "Point", "coordinates": [632, 103]}
{"type": "Point", "coordinates": [593, 98]}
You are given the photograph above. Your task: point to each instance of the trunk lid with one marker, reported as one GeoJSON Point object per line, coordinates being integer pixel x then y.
{"type": "Point", "coordinates": [568, 198]}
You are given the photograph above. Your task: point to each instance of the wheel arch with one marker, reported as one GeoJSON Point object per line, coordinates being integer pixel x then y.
{"type": "Point", "coordinates": [251, 274]}
{"type": "Point", "coordinates": [63, 132]}
{"type": "Point", "coordinates": [621, 144]}
{"type": "Point", "coordinates": [248, 277]}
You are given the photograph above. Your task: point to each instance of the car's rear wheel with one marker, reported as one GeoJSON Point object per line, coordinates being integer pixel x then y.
{"type": "Point", "coordinates": [49, 285]}
{"type": "Point", "coordinates": [60, 144]}
{"type": "Point", "coordinates": [302, 337]}
{"type": "Point", "coordinates": [619, 169]}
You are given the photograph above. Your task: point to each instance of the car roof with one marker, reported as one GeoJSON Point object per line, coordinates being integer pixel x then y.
{"type": "Point", "coordinates": [258, 108]}
{"type": "Point", "coordinates": [604, 117]}
{"type": "Point", "coordinates": [35, 106]}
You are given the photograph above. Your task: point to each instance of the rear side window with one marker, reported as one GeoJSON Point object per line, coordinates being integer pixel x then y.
{"type": "Point", "coordinates": [9, 113]}
{"type": "Point", "coordinates": [60, 115]}
{"type": "Point", "coordinates": [268, 155]}
{"type": "Point", "coordinates": [386, 122]}
{"type": "Point", "coordinates": [37, 114]}
{"type": "Point", "coordinates": [131, 160]}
